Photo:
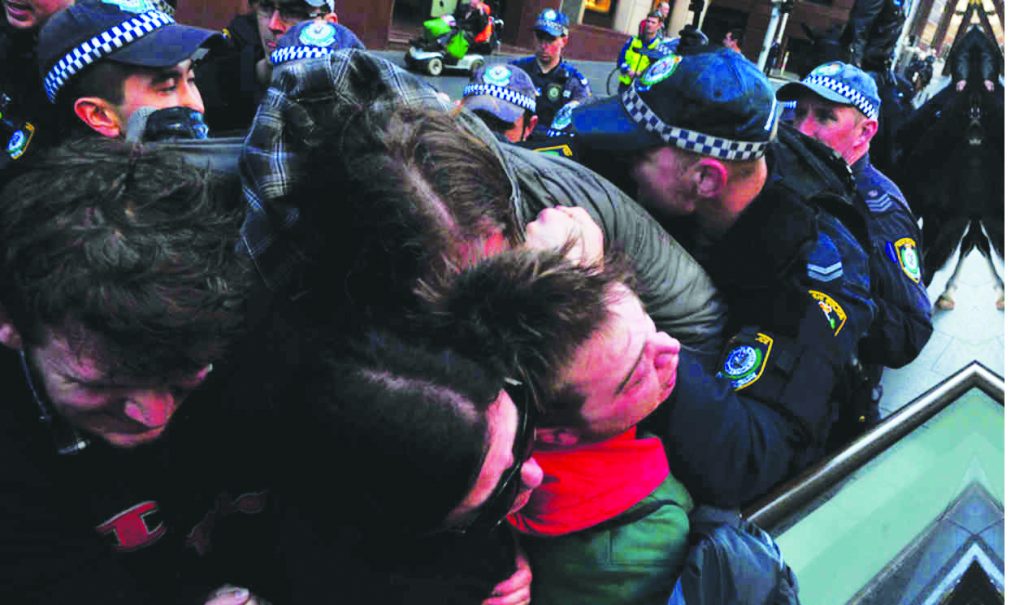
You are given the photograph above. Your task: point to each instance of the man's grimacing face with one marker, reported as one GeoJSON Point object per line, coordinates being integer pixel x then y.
{"type": "Point", "coordinates": [124, 411]}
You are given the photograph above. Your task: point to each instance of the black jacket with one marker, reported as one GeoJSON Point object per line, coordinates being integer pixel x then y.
{"type": "Point", "coordinates": [975, 58]}
{"type": "Point", "coordinates": [871, 32]}
{"type": "Point", "coordinates": [20, 81]}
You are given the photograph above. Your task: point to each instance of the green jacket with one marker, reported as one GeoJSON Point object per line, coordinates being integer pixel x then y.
{"type": "Point", "coordinates": [633, 559]}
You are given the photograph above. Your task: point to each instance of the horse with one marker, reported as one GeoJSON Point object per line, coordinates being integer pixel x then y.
{"type": "Point", "coordinates": [953, 177]}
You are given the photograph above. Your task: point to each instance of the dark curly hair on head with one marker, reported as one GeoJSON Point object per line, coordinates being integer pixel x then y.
{"type": "Point", "coordinates": [532, 311]}
{"type": "Point", "coordinates": [394, 195]}
{"type": "Point", "coordinates": [101, 238]}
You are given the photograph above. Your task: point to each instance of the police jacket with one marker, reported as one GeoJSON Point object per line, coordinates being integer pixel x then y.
{"type": "Point", "coordinates": [20, 81]}
{"type": "Point", "coordinates": [227, 77]}
{"type": "Point", "coordinates": [125, 526]}
{"type": "Point", "coordinates": [678, 293]}
{"type": "Point", "coordinates": [871, 32]}
{"type": "Point", "coordinates": [555, 88]}
{"type": "Point", "coordinates": [903, 324]}
{"type": "Point", "coordinates": [796, 280]}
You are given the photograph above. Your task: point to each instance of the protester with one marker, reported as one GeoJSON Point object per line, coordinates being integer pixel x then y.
{"type": "Point", "coordinates": [97, 88]}
{"type": "Point", "coordinates": [503, 97]}
{"type": "Point", "coordinates": [838, 104]}
{"type": "Point", "coordinates": [767, 219]}
{"type": "Point", "coordinates": [119, 299]}
{"type": "Point", "coordinates": [558, 82]}
{"type": "Point", "coordinates": [609, 523]}
{"type": "Point", "coordinates": [641, 50]}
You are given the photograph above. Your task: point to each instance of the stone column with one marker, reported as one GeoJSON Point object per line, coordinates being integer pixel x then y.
{"type": "Point", "coordinates": [629, 14]}
{"type": "Point", "coordinates": [679, 17]}
{"type": "Point", "coordinates": [574, 10]}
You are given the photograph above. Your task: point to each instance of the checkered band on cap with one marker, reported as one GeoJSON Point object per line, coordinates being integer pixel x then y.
{"type": "Point", "coordinates": [690, 140]}
{"type": "Point", "coordinates": [855, 97]}
{"type": "Point", "coordinates": [291, 53]}
{"type": "Point", "coordinates": [499, 92]}
{"type": "Point", "coordinates": [100, 46]}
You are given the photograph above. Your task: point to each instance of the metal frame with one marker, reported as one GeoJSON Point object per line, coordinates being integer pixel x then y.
{"type": "Point", "coordinates": [784, 502]}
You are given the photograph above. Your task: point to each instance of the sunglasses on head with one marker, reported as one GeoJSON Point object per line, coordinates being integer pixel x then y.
{"type": "Point", "coordinates": [493, 511]}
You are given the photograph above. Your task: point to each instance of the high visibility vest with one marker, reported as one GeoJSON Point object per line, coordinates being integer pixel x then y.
{"type": "Point", "coordinates": [635, 60]}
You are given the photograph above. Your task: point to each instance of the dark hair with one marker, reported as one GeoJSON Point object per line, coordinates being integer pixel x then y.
{"type": "Point", "coordinates": [395, 195]}
{"type": "Point", "coordinates": [126, 243]}
{"type": "Point", "coordinates": [103, 79]}
{"type": "Point", "coordinates": [737, 34]}
{"type": "Point", "coordinates": [530, 311]}
{"type": "Point", "coordinates": [405, 424]}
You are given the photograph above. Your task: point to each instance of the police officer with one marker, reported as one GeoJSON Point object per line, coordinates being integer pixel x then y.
{"type": "Point", "coordinates": [558, 82]}
{"type": "Point", "coordinates": [838, 105]}
{"type": "Point", "coordinates": [106, 62]}
{"type": "Point", "coordinates": [769, 219]}
{"type": "Point", "coordinates": [25, 116]}
{"type": "Point", "coordinates": [503, 97]}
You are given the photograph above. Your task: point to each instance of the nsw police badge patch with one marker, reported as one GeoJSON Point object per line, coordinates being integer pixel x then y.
{"type": "Point", "coordinates": [660, 71]}
{"type": "Point", "coordinates": [906, 253]}
{"type": "Point", "coordinates": [554, 92]}
{"type": "Point", "coordinates": [317, 34]}
{"type": "Point", "coordinates": [834, 313]}
{"type": "Point", "coordinates": [132, 6]}
{"type": "Point", "coordinates": [746, 361]}
{"type": "Point", "coordinates": [498, 75]}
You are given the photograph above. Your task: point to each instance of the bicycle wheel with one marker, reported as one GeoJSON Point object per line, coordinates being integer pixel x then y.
{"type": "Point", "coordinates": [611, 85]}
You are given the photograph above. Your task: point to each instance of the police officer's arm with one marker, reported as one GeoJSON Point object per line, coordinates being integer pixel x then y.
{"type": "Point", "coordinates": [578, 87]}
{"type": "Point", "coordinates": [677, 292]}
{"type": "Point", "coordinates": [903, 323]}
{"type": "Point", "coordinates": [862, 15]}
{"type": "Point", "coordinates": [767, 412]}
{"type": "Point", "coordinates": [623, 64]}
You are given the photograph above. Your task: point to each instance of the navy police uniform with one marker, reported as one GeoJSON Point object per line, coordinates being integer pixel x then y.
{"type": "Point", "coordinates": [792, 269]}
{"type": "Point", "coordinates": [560, 86]}
{"type": "Point", "coordinates": [903, 323]}
{"type": "Point", "coordinates": [556, 88]}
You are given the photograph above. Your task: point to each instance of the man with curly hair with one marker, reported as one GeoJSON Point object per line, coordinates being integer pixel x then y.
{"type": "Point", "coordinates": [119, 291]}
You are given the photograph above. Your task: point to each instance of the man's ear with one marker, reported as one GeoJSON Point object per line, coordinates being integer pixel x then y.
{"type": "Point", "coordinates": [868, 128]}
{"type": "Point", "coordinates": [331, 17]}
{"type": "Point", "coordinates": [100, 115]}
{"type": "Point", "coordinates": [530, 126]}
{"type": "Point", "coordinates": [710, 177]}
{"type": "Point", "coordinates": [557, 438]}
{"type": "Point", "coordinates": [9, 335]}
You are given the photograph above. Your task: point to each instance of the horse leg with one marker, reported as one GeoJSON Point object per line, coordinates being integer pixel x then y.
{"type": "Point", "coordinates": [947, 300]}
{"type": "Point", "coordinates": [941, 235]}
{"type": "Point", "coordinates": [986, 251]}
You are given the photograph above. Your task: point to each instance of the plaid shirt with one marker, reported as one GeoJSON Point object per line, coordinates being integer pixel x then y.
{"type": "Point", "coordinates": [303, 95]}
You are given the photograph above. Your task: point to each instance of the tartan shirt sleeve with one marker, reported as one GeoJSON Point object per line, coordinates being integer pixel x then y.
{"type": "Point", "coordinates": [303, 96]}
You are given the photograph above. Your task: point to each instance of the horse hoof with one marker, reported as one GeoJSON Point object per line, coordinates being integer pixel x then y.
{"type": "Point", "coordinates": [946, 303]}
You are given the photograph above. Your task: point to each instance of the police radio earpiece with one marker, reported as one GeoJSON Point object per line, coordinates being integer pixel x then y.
{"type": "Point", "coordinates": [66, 439]}
{"type": "Point", "coordinates": [15, 133]}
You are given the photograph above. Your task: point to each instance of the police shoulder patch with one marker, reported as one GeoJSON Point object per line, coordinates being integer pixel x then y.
{"type": "Point", "coordinates": [906, 253]}
{"type": "Point", "coordinates": [834, 313]}
{"type": "Point", "coordinates": [745, 362]}
{"type": "Point", "coordinates": [660, 71]}
{"type": "Point", "coordinates": [319, 34]}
